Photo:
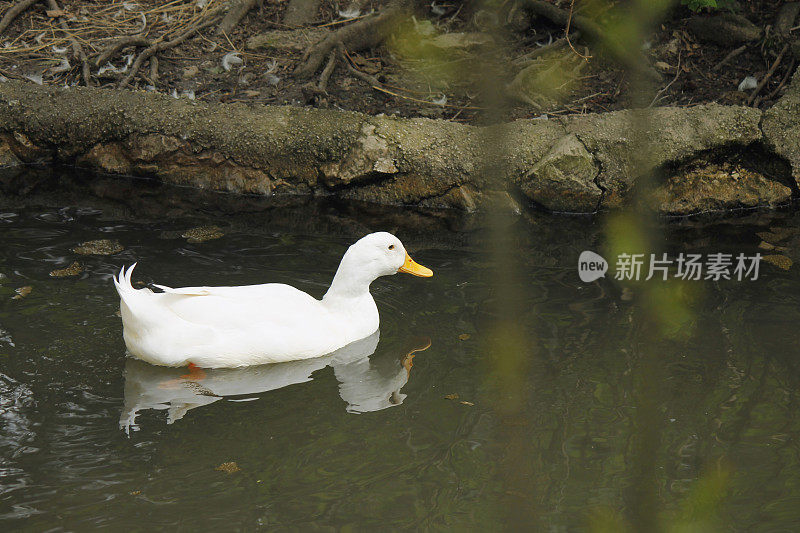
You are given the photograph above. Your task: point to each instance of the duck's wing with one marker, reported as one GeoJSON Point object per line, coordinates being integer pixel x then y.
{"type": "Point", "coordinates": [265, 290]}
{"type": "Point", "coordinates": [188, 291]}
{"type": "Point", "coordinates": [243, 307]}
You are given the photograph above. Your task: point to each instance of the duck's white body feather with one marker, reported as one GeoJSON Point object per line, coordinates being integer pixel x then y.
{"type": "Point", "coordinates": [216, 327]}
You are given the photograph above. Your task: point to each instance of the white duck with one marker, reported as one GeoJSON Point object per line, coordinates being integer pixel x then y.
{"type": "Point", "coordinates": [226, 327]}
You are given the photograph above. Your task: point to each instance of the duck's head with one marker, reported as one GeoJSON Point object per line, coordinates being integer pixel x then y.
{"type": "Point", "coordinates": [382, 254]}
{"type": "Point", "coordinates": [375, 255]}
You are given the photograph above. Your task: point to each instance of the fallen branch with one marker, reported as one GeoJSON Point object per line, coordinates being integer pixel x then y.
{"type": "Point", "coordinates": [768, 75]}
{"type": "Point", "coordinates": [14, 11]}
{"type": "Point", "coordinates": [235, 13]}
{"type": "Point", "coordinates": [338, 54]}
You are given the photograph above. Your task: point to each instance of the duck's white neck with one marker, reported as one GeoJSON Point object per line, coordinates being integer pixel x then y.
{"type": "Point", "coordinates": [352, 279]}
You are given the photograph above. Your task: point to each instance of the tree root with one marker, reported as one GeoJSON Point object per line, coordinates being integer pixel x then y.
{"type": "Point", "coordinates": [235, 13]}
{"type": "Point", "coordinates": [154, 69]}
{"type": "Point", "coordinates": [77, 49]}
{"type": "Point", "coordinates": [13, 12]}
{"type": "Point", "coordinates": [157, 47]}
{"type": "Point", "coordinates": [327, 71]}
{"type": "Point", "coordinates": [366, 33]}
{"type": "Point", "coordinates": [119, 44]}
{"type": "Point", "coordinates": [372, 81]}
{"type": "Point", "coordinates": [312, 91]}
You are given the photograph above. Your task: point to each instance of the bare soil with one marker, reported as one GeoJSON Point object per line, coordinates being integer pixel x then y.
{"type": "Point", "coordinates": [33, 47]}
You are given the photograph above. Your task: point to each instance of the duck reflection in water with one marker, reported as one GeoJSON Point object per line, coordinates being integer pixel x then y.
{"type": "Point", "coordinates": [365, 383]}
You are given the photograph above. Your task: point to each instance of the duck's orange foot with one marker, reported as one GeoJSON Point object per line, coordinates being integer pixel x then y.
{"type": "Point", "coordinates": [195, 373]}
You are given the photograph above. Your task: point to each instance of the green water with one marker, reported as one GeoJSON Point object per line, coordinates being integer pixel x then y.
{"type": "Point", "coordinates": [90, 439]}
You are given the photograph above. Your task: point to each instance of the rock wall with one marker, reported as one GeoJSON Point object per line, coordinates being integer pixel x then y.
{"type": "Point", "coordinates": [575, 164]}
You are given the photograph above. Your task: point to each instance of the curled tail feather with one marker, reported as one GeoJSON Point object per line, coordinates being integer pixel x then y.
{"type": "Point", "coordinates": [123, 281]}
{"type": "Point", "coordinates": [136, 301]}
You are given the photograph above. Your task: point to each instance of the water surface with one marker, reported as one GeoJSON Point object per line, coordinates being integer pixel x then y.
{"type": "Point", "coordinates": [392, 434]}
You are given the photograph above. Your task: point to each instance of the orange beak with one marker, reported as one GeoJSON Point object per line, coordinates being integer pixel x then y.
{"type": "Point", "coordinates": [412, 267]}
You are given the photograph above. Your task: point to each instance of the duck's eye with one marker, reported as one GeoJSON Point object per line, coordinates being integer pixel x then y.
{"type": "Point", "coordinates": [391, 246]}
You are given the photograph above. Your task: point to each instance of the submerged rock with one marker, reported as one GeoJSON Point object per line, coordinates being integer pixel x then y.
{"type": "Point", "coordinates": [73, 270]}
{"type": "Point", "coordinates": [776, 235]}
{"type": "Point", "coordinates": [229, 468]}
{"type": "Point", "coordinates": [22, 292]}
{"type": "Point", "coordinates": [7, 156]}
{"type": "Point", "coordinates": [24, 148]}
{"type": "Point", "coordinates": [99, 247]}
{"type": "Point", "coordinates": [107, 157]}
{"type": "Point", "coordinates": [715, 188]}
{"type": "Point", "coordinates": [202, 234]}
{"type": "Point", "coordinates": [764, 245]}
{"type": "Point", "coordinates": [780, 261]}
